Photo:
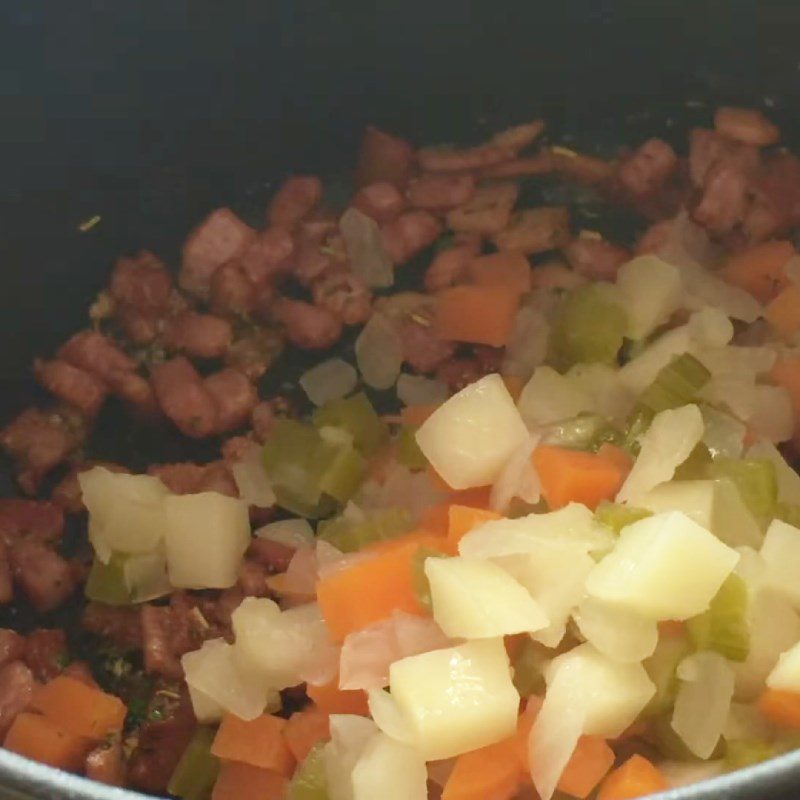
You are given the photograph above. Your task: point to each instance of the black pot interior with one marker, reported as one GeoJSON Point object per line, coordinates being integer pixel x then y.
{"type": "Point", "coordinates": [151, 113]}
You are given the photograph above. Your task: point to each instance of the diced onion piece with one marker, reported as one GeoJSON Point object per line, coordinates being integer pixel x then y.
{"type": "Point", "coordinates": [291, 532]}
{"type": "Point", "coordinates": [146, 576]}
{"type": "Point", "coordinates": [457, 699]}
{"type": "Point", "coordinates": [772, 416]}
{"type": "Point", "coordinates": [552, 742]}
{"type": "Point", "coordinates": [328, 380]}
{"type": "Point", "coordinates": [788, 479]}
{"type": "Point", "coordinates": [786, 674]}
{"type": "Point", "coordinates": [616, 633]}
{"type": "Point", "coordinates": [663, 567]}
{"type": "Point", "coordinates": [379, 352]}
{"type": "Point", "coordinates": [717, 505]}
{"type": "Point", "coordinates": [214, 675]}
{"type": "Point", "coordinates": [283, 647]}
{"type": "Point", "coordinates": [126, 512]}
{"type": "Point", "coordinates": [518, 478]}
{"type": "Point", "coordinates": [389, 718]}
{"type": "Point", "coordinates": [549, 397]}
{"type": "Point", "coordinates": [724, 434]}
{"type": "Point", "coordinates": [390, 770]}
{"type": "Point", "coordinates": [665, 445]}
{"type": "Point", "coordinates": [642, 370]}
{"type": "Point", "coordinates": [781, 554]}
{"type": "Point", "coordinates": [470, 437]}
{"type": "Point", "coordinates": [251, 479]}
{"type": "Point", "coordinates": [299, 582]}
{"type": "Point", "coordinates": [703, 701]}
{"type": "Point", "coordinates": [350, 735]}
{"type": "Point", "coordinates": [652, 291]}
{"type": "Point", "coordinates": [368, 257]}
{"type": "Point", "coordinates": [688, 243]}
{"type": "Point", "coordinates": [610, 398]}
{"type": "Point", "coordinates": [205, 709]}
{"type": "Point", "coordinates": [207, 535]}
{"type": "Point", "coordinates": [703, 289]}
{"type": "Point", "coordinates": [710, 327]}
{"type": "Point", "coordinates": [417, 390]}
{"type": "Point", "coordinates": [475, 599]}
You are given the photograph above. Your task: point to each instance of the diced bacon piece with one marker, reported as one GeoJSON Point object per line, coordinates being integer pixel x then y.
{"type": "Point", "coordinates": [541, 164]}
{"type": "Point", "coordinates": [217, 478]}
{"type": "Point", "coordinates": [16, 691]}
{"type": "Point", "coordinates": [725, 200]}
{"type": "Point", "coordinates": [141, 283]}
{"type": "Point", "coordinates": [118, 624]}
{"type": "Point", "coordinates": [106, 763]}
{"type": "Point", "coordinates": [263, 420]}
{"type": "Point", "coordinates": [535, 230]}
{"type": "Point", "coordinates": [6, 577]}
{"type": "Point", "coordinates": [409, 234]}
{"type": "Point", "coordinates": [93, 352]}
{"type": "Point", "coordinates": [423, 349]}
{"type": "Point", "coordinates": [275, 556]}
{"type": "Point", "coordinates": [438, 192]}
{"type": "Point", "coordinates": [580, 167]}
{"type": "Point", "coordinates": [296, 198]}
{"type": "Point", "coordinates": [746, 125]}
{"type": "Point", "coordinates": [254, 353]}
{"type": "Point", "coordinates": [67, 493]}
{"type": "Point", "coordinates": [382, 201]}
{"type": "Point", "coordinates": [383, 157]}
{"type": "Point", "coordinates": [136, 391]}
{"type": "Point", "coordinates": [312, 263]}
{"type": "Point", "coordinates": [80, 389]}
{"type": "Point", "coordinates": [235, 397]}
{"type": "Point", "coordinates": [46, 653]}
{"type": "Point", "coordinates": [596, 259]}
{"type": "Point", "coordinates": [167, 633]}
{"type": "Point", "coordinates": [199, 335]}
{"type": "Point", "coordinates": [30, 519]}
{"type": "Point", "coordinates": [459, 372]}
{"type": "Point", "coordinates": [776, 202]}
{"type": "Point", "coordinates": [140, 328]}
{"type": "Point", "coordinates": [43, 575]}
{"type": "Point", "coordinates": [654, 238]}
{"type": "Point", "coordinates": [253, 579]}
{"type": "Point", "coordinates": [221, 237]}
{"type": "Point", "coordinates": [307, 326]}
{"type": "Point", "coordinates": [441, 159]}
{"type": "Point", "coordinates": [184, 398]}
{"type": "Point", "coordinates": [645, 171]}
{"type": "Point", "coordinates": [268, 256]}
{"type": "Point", "coordinates": [231, 290]}
{"type": "Point", "coordinates": [12, 646]}
{"type": "Point", "coordinates": [488, 212]}
{"type": "Point", "coordinates": [520, 136]}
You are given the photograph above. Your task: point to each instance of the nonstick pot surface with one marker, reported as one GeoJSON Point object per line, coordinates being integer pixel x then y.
{"type": "Point", "coordinates": [149, 114]}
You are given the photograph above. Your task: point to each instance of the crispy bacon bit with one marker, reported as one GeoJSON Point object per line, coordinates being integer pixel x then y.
{"type": "Point", "coordinates": [520, 136]}
{"type": "Point", "coordinates": [184, 398]}
{"type": "Point", "coordinates": [746, 125]}
{"type": "Point", "coordinates": [254, 353]}
{"type": "Point", "coordinates": [308, 327]}
{"type": "Point", "coordinates": [268, 256]}
{"type": "Point", "coordinates": [93, 352]}
{"type": "Point", "coordinates": [581, 167]}
{"type": "Point", "coordinates": [235, 397]}
{"type": "Point", "coordinates": [381, 201]}
{"type": "Point", "coordinates": [384, 157]}
{"type": "Point", "coordinates": [232, 291]}
{"type": "Point", "coordinates": [263, 420]}
{"type": "Point", "coordinates": [540, 164]}
{"type": "Point", "coordinates": [142, 284]}
{"type": "Point", "coordinates": [118, 624]}
{"type": "Point", "coordinates": [222, 236]}
{"type": "Point", "coordinates": [438, 192]}
{"type": "Point", "coordinates": [46, 653]}
{"type": "Point", "coordinates": [43, 575]}
{"type": "Point", "coordinates": [199, 335]}
{"type": "Point", "coordinates": [535, 230]}
{"type": "Point", "coordinates": [488, 212]}
{"type": "Point", "coordinates": [80, 389]}
{"type": "Point", "coordinates": [12, 646]}
{"type": "Point", "coordinates": [274, 556]}
{"type": "Point", "coordinates": [409, 234]}
{"type": "Point", "coordinates": [39, 520]}
{"type": "Point", "coordinates": [136, 391]}
{"type": "Point", "coordinates": [459, 372]}
{"type": "Point", "coordinates": [6, 578]}
{"type": "Point", "coordinates": [645, 171]}
{"type": "Point", "coordinates": [295, 199]}
{"type": "Point", "coordinates": [441, 159]}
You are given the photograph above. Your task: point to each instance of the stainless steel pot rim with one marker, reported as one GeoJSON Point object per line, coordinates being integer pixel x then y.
{"type": "Point", "coordinates": [35, 781]}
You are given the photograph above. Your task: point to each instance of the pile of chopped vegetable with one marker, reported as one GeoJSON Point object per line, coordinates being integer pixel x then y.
{"type": "Point", "coordinates": [566, 561]}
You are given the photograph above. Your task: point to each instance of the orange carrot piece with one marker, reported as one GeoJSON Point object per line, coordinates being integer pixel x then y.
{"type": "Point", "coordinates": [783, 313]}
{"type": "Point", "coordinates": [304, 729]}
{"type": "Point", "coordinates": [576, 476]}
{"type": "Point", "coordinates": [491, 773]}
{"type": "Point", "coordinates": [462, 519]}
{"type": "Point", "coordinates": [780, 707]}
{"type": "Point", "coordinates": [80, 709]}
{"type": "Point", "coordinates": [414, 416]}
{"type": "Point", "coordinates": [371, 590]}
{"type": "Point", "coordinates": [637, 777]}
{"type": "Point", "coordinates": [616, 455]}
{"type": "Point", "coordinates": [508, 268]}
{"type": "Point", "coordinates": [237, 781]}
{"type": "Point", "coordinates": [588, 765]}
{"type": "Point", "coordinates": [435, 519]}
{"type": "Point", "coordinates": [477, 314]}
{"type": "Point", "coordinates": [40, 739]}
{"type": "Point", "coordinates": [333, 700]}
{"type": "Point", "coordinates": [258, 742]}
{"type": "Point", "coordinates": [760, 269]}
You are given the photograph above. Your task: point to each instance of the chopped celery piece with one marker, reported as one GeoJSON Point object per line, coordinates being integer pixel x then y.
{"type": "Point", "coordinates": [408, 452]}
{"type": "Point", "coordinates": [106, 582]}
{"type": "Point", "coordinates": [309, 781]}
{"type": "Point", "coordinates": [675, 385]}
{"type": "Point", "coordinates": [662, 667]}
{"type": "Point", "coordinates": [789, 513]}
{"type": "Point", "coordinates": [584, 432]}
{"type": "Point", "coordinates": [740, 753]}
{"type": "Point", "coordinates": [344, 474]}
{"type": "Point", "coordinates": [618, 516]}
{"type": "Point", "coordinates": [528, 668]}
{"type": "Point", "coordinates": [724, 626]}
{"type": "Point", "coordinates": [196, 772]}
{"type": "Point", "coordinates": [422, 587]}
{"type": "Point", "coordinates": [696, 465]}
{"type": "Point", "coordinates": [754, 478]}
{"type": "Point", "coordinates": [356, 416]}
{"type": "Point", "coordinates": [589, 326]}
{"type": "Point", "coordinates": [350, 535]}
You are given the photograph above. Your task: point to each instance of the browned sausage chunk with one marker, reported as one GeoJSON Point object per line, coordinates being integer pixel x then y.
{"type": "Point", "coordinates": [184, 398]}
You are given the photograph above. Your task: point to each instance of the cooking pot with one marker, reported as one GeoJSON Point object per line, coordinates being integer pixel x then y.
{"type": "Point", "coordinates": [148, 114]}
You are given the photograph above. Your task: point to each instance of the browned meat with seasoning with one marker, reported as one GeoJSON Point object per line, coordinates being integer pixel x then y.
{"type": "Point", "coordinates": [221, 237]}
{"type": "Point", "coordinates": [74, 386]}
{"type": "Point", "coordinates": [449, 267]}
{"type": "Point", "coordinates": [106, 763]}
{"type": "Point", "coordinates": [441, 159]}
{"type": "Point", "coordinates": [459, 372]}
{"type": "Point", "coordinates": [232, 291]}
{"type": "Point", "coordinates": [345, 295]}
{"type": "Point", "coordinates": [269, 256]}
{"type": "Point", "coordinates": [409, 235]}
{"type": "Point", "coordinates": [274, 556]}
{"type": "Point", "coordinates": [45, 578]}
{"type": "Point", "coordinates": [12, 646]}
{"type": "Point", "coordinates": [746, 125]}
{"type": "Point", "coordinates": [16, 690]}
{"type": "Point", "coordinates": [253, 579]}
{"type": "Point", "coordinates": [307, 326]}
{"type": "Point", "coordinates": [382, 201]}
{"type": "Point", "coordinates": [644, 172]}
{"type": "Point", "coordinates": [143, 284]}
{"type": "Point", "coordinates": [254, 352]}
{"type": "Point", "coordinates": [488, 212]}
{"type": "Point", "coordinates": [296, 198]}
{"type": "Point", "coordinates": [535, 230]}
{"type": "Point", "coordinates": [30, 519]}
{"type": "Point", "coordinates": [118, 624]}
{"type": "Point", "coordinates": [263, 420]}
{"type": "Point", "coordinates": [93, 352]}
{"type": "Point", "coordinates": [439, 192]}
{"type": "Point", "coordinates": [6, 576]}
{"type": "Point", "coordinates": [384, 157]}
{"type": "Point", "coordinates": [198, 335]}
{"type": "Point", "coordinates": [170, 631]}
{"type": "Point", "coordinates": [46, 653]}
{"type": "Point", "coordinates": [235, 397]}
{"type": "Point", "coordinates": [184, 397]}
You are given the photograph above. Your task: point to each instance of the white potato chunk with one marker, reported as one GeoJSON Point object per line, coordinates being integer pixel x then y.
{"type": "Point", "coordinates": [781, 554]}
{"type": "Point", "coordinates": [207, 535]}
{"type": "Point", "coordinates": [470, 437]}
{"type": "Point", "coordinates": [475, 599]}
{"type": "Point", "coordinates": [389, 770]}
{"type": "Point", "coordinates": [652, 290]}
{"type": "Point", "coordinates": [717, 505]}
{"type": "Point", "coordinates": [616, 633]}
{"type": "Point", "coordinates": [663, 567]}
{"type": "Point", "coordinates": [458, 699]}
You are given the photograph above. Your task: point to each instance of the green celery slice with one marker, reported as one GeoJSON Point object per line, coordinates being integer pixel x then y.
{"type": "Point", "coordinates": [309, 781]}
{"type": "Point", "coordinates": [197, 770]}
{"type": "Point", "coordinates": [724, 627]}
{"type": "Point", "coordinates": [618, 516]}
{"type": "Point", "coordinates": [676, 384]}
{"type": "Point", "coordinates": [584, 432]}
{"type": "Point", "coordinates": [344, 474]}
{"type": "Point", "coordinates": [106, 582]}
{"type": "Point", "coordinates": [755, 479]}
{"type": "Point", "coordinates": [588, 327]}
{"type": "Point", "coordinates": [356, 416]}
{"type": "Point", "coordinates": [350, 535]}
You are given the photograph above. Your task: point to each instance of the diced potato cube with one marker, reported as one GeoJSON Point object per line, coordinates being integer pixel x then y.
{"type": "Point", "coordinates": [475, 599]}
{"type": "Point", "coordinates": [471, 436]}
{"type": "Point", "coordinates": [663, 567]}
{"type": "Point", "coordinates": [786, 674]}
{"type": "Point", "coordinates": [617, 634]}
{"type": "Point", "coordinates": [389, 770]}
{"type": "Point", "coordinates": [652, 290]}
{"type": "Point", "coordinates": [457, 699]}
{"type": "Point", "coordinates": [207, 535]}
{"type": "Point", "coordinates": [714, 504]}
{"type": "Point", "coordinates": [781, 553]}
